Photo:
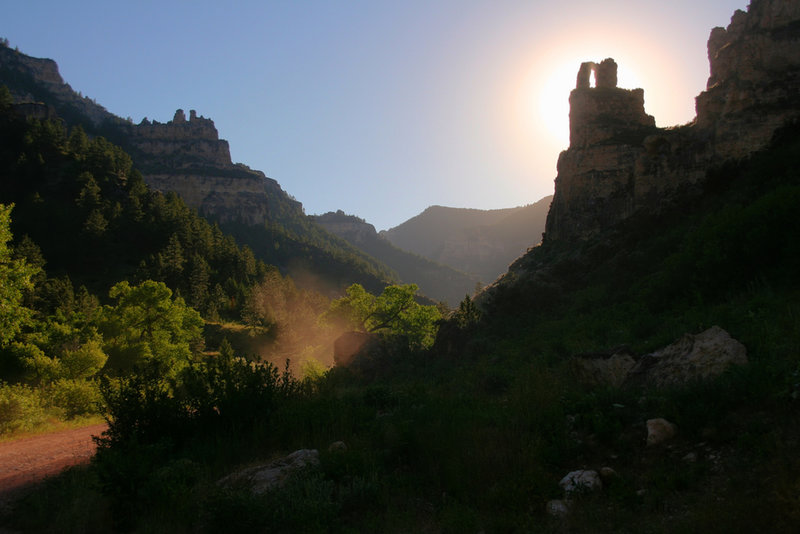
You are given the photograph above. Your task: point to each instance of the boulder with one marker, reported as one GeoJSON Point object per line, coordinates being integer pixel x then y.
{"type": "Point", "coordinates": [557, 508]}
{"type": "Point", "coordinates": [581, 481]}
{"type": "Point", "coordinates": [262, 478]}
{"type": "Point", "coordinates": [608, 368]}
{"type": "Point", "coordinates": [608, 474]}
{"type": "Point", "coordinates": [337, 446]}
{"type": "Point", "coordinates": [659, 431]}
{"type": "Point", "coordinates": [689, 359]}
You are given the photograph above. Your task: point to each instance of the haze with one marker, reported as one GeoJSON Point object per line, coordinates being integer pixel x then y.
{"type": "Point", "coordinates": [377, 108]}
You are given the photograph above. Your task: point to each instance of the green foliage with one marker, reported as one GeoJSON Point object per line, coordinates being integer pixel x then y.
{"type": "Point", "coordinates": [88, 187]}
{"type": "Point", "coordinates": [395, 311]}
{"type": "Point", "coordinates": [22, 408]}
{"type": "Point", "coordinates": [76, 397]}
{"type": "Point", "coordinates": [15, 280]}
{"type": "Point", "coordinates": [84, 361]}
{"type": "Point", "coordinates": [468, 315]}
{"type": "Point", "coordinates": [147, 325]}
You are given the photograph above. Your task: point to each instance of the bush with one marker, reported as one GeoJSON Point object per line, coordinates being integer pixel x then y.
{"type": "Point", "coordinates": [76, 397]}
{"type": "Point", "coordinates": [21, 408]}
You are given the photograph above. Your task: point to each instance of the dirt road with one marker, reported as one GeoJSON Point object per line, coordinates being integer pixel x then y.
{"type": "Point", "coordinates": [26, 461]}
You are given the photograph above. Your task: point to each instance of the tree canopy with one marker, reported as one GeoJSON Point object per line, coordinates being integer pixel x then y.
{"type": "Point", "coordinates": [146, 323]}
{"type": "Point", "coordinates": [15, 279]}
{"type": "Point", "coordinates": [395, 312]}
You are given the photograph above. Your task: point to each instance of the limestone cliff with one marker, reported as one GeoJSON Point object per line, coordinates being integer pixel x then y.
{"type": "Point", "coordinates": [189, 158]}
{"type": "Point", "coordinates": [618, 163]}
{"type": "Point", "coordinates": [185, 156]}
{"type": "Point", "coordinates": [33, 80]}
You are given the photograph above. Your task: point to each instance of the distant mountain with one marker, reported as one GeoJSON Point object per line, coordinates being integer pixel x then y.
{"type": "Point", "coordinates": [186, 156]}
{"type": "Point", "coordinates": [436, 281]}
{"type": "Point", "coordinates": [479, 242]}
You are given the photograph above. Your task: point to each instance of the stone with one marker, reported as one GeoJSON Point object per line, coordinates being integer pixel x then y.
{"type": "Point", "coordinates": [606, 73]}
{"type": "Point", "coordinates": [689, 359]}
{"type": "Point", "coordinates": [557, 508]}
{"type": "Point", "coordinates": [607, 474]}
{"type": "Point", "coordinates": [262, 478]}
{"type": "Point", "coordinates": [659, 431]}
{"type": "Point", "coordinates": [609, 368]}
{"type": "Point", "coordinates": [337, 446]}
{"type": "Point", "coordinates": [581, 481]}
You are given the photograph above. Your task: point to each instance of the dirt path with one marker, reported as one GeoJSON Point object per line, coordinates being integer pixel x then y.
{"type": "Point", "coordinates": [26, 461]}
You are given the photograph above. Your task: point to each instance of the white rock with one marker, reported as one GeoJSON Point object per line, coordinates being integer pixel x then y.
{"type": "Point", "coordinates": [659, 430]}
{"type": "Point", "coordinates": [262, 478]}
{"type": "Point", "coordinates": [581, 481]}
{"type": "Point", "coordinates": [337, 446]}
{"type": "Point", "coordinates": [691, 358]}
{"type": "Point", "coordinates": [557, 508]}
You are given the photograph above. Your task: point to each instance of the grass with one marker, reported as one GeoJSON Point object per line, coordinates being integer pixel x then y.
{"type": "Point", "coordinates": [53, 424]}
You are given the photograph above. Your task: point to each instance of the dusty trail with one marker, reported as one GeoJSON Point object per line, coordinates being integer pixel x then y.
{"type": "Point", "coordinates": [24, 462]}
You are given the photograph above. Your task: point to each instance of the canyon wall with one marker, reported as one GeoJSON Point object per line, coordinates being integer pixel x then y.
{"type": "Point", "coordinates": [188, 158]}
{"type": "Point", "coordinates": [618, 163]}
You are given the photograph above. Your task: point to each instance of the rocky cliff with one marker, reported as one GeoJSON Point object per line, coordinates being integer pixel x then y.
{"type": "Point", "coordinates": [618, 163]}
{"type": "Point", "coordinates": [32, 80]}
{"type": "Point", "coordinates": [188, 157]}
{"type": "Point", "coordinates": [184, 155]}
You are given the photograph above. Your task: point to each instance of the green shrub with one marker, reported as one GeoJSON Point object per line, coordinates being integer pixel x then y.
{"type": "Point", "coordinates": [76, 397]}
{"type": "Point", "coordinates": [21, 408]}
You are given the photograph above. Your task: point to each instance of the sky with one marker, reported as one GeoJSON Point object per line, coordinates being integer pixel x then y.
{"type": "Point", "coordinates": [378, 108]}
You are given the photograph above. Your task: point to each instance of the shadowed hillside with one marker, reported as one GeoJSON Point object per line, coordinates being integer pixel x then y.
{"type": "Point", "coordinates": [435, 280]}
{"type": "Point", "coordinates": [479, 242]}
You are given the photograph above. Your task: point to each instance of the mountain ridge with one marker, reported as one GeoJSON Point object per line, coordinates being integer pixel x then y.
{"type": "Point", "coordinates": [478, 242]}
{"type": "Point", "coordinates": [436, 281]}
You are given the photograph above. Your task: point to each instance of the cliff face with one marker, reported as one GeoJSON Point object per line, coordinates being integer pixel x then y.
{"type": "Point", "coordinates": [188, 158]}
{"type": "Point", "coordinates": [355, 230]}
{"type": "Point", "coordinates": [618, 163]}
{"type": "Point", "coordinates": [185, 156]}
{"type": "Point", "coordinates": [32, 80]}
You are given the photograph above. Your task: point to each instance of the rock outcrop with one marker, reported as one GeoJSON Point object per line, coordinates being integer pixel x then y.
{"type": "Point", "coordinates": [184, 155]}
{"type": "Point", "coordinates": [183, 142]}
{"type": "Point", "coordinates": [659, 431]}
{"type": "Point", "coordinates": [263, 478]}
{"type": "Point", "coordinates": [618, 163]}
{"type": "Point", "coordinates": [188, 158]}
{"type": "Point", "coordinates": [692, 358]}
{"type": "Point", "coordinates": [34, 80]}
{"type": "Point", "coordinates": [754, 83]}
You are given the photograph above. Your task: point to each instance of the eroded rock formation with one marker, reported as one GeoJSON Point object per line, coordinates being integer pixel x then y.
{"type": "Point", "coordinates": [188, 158]}
{"type": "Point", "coordinates": [618, 163]}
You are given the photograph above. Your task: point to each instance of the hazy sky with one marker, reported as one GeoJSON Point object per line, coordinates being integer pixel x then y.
{"type": "Point", "coordinates": [378, 108]}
